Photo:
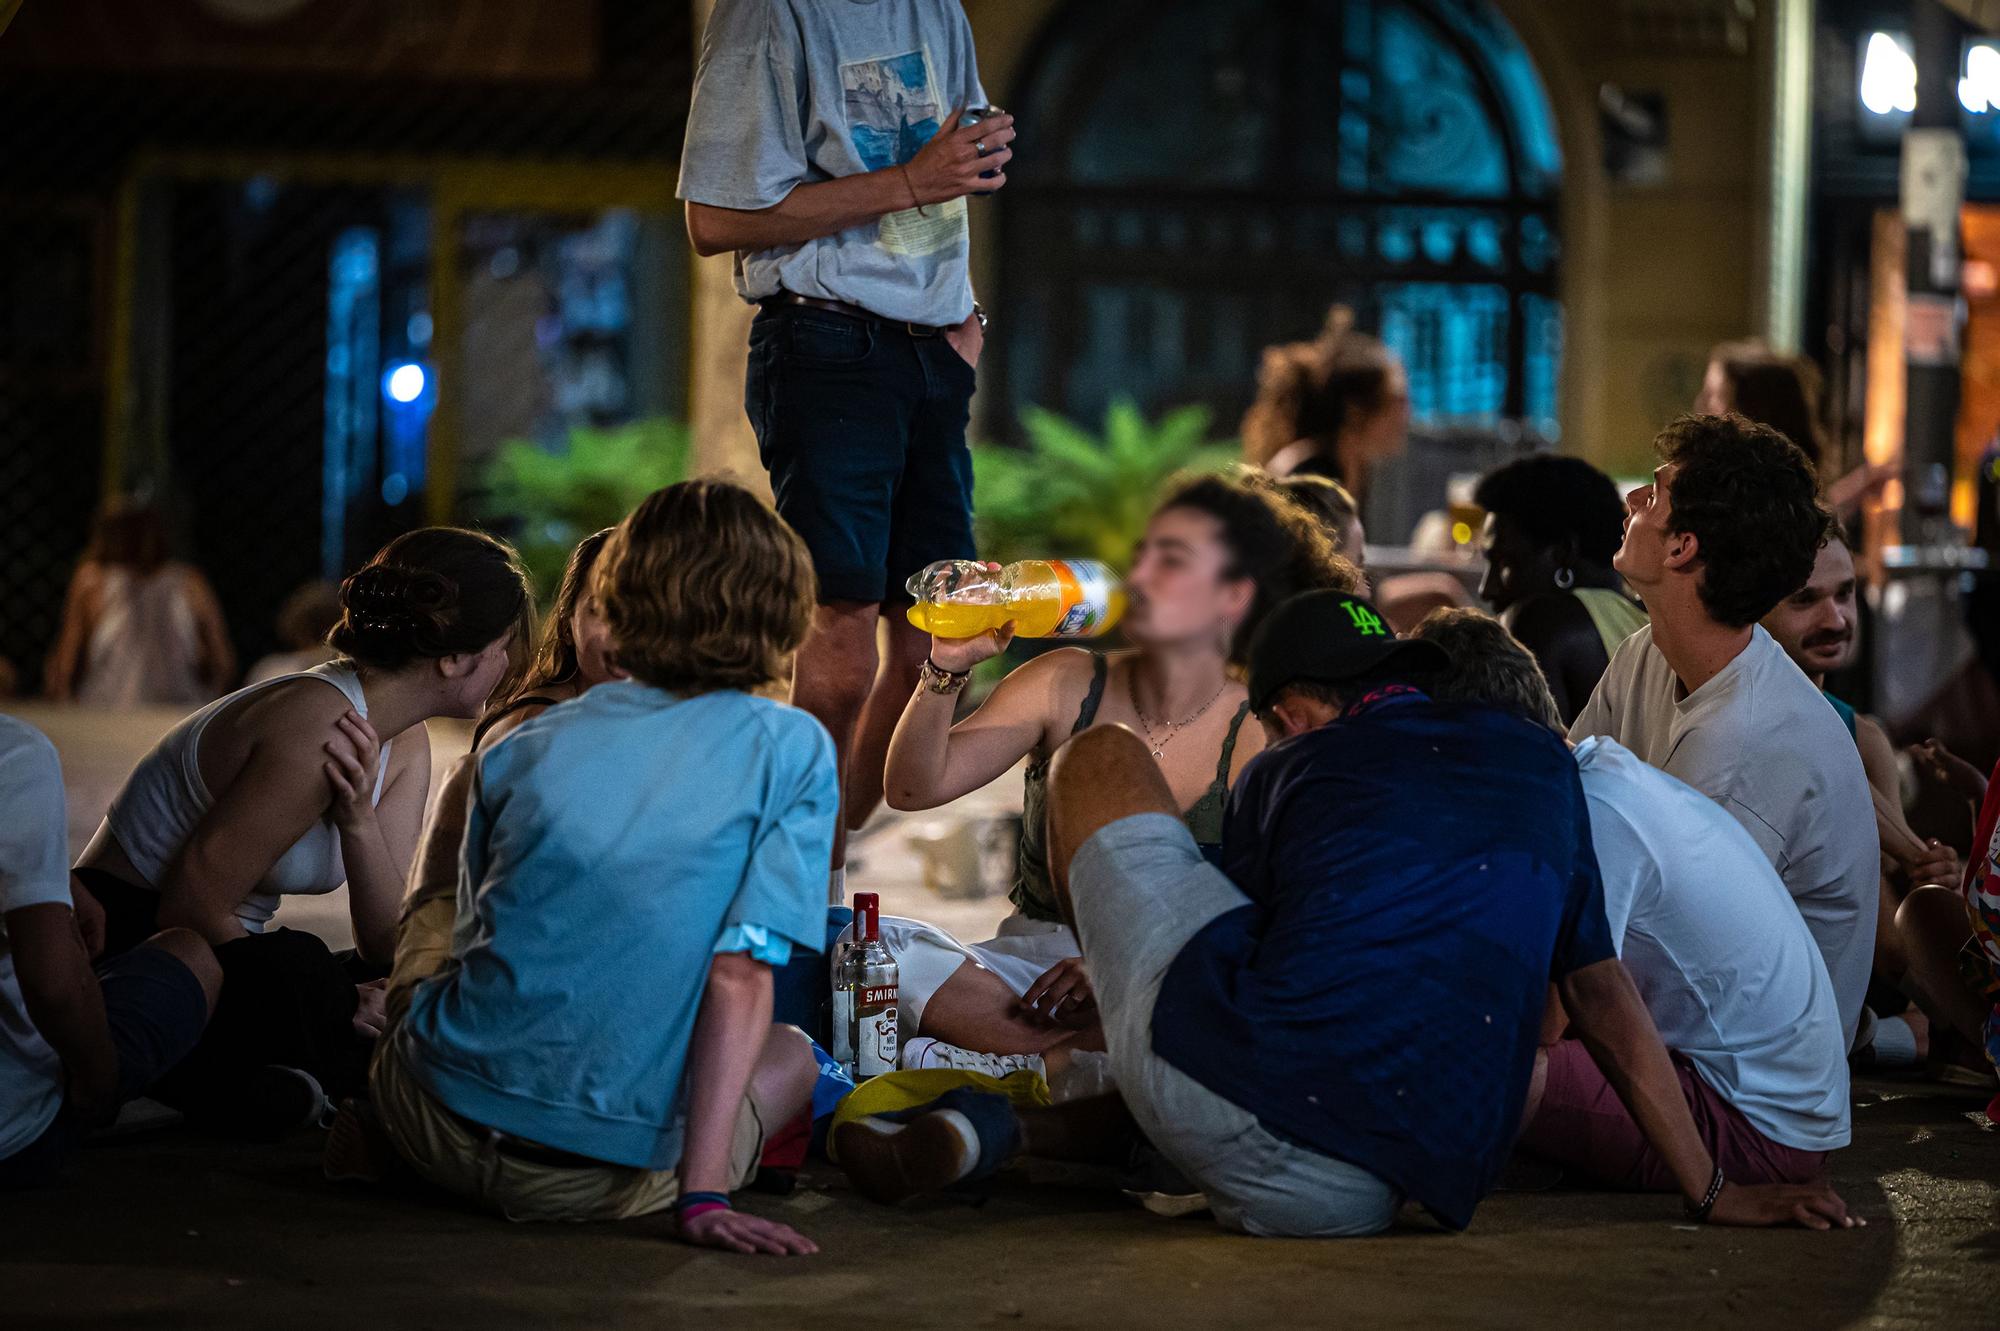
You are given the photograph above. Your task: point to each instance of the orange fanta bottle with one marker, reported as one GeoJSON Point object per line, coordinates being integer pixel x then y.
{"type": "Point", "coordinates": [1045, 598]}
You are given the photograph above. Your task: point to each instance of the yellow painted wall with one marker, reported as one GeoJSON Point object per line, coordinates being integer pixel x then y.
{"type": "Point", "coordinates": [1651, 277]}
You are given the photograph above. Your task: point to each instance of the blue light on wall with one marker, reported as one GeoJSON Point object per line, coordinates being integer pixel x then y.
{"type": "Point", "coordinates": [409, 392]}
{"type": "Point", "coordinates": [353, 355]}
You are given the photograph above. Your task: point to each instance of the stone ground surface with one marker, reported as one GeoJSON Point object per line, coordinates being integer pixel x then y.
{"type": "Point", "coordinates": [171, 1231]}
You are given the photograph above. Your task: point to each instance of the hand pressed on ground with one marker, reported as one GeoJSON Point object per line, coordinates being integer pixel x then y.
{"type": "Point", "coordinates": [738, 1231]}
{"type": "Point", "coordinates": [1811, 1205]}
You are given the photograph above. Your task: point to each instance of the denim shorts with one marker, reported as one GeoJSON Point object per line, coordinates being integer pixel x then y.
{"type": "Point", "coordinates": [862, 428]}
{"type": "Point", "coordinates": [156, 1010]}
{"type": "Point", "coordinates": [1141, 890]}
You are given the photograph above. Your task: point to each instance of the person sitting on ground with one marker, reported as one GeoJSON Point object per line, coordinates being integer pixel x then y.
{"type": "Point", "coordinates": [574, 656]}
{"type": "Point", "coordinates": [290, 788]}
{"type": "Point", "coordinates": [1712, 941]}
{"type": "Point", "coordinates": [1334, 406]}
{"type": "Point", "coordinates": [308, 614]}
{"type": "Point", "coordinates": [1330, 502]}
{"type": "Point", "coordinates": [1349, 1016]}
{"type": "Point", "coordinates": [1219, 552]}
{"type": "Point", "coordinates": [139, 629]}
{"type": "Point", "coordinates": [74, 1045]}
{"type": "Point", "coordinates": [1951, 936]}
{"type": "Point", "coordinates": [1552, 525]}
{"type": "Point", "coordinates": [1730, 526]}
{"type": "Point", "coordinates": [1817, 626]}
{"type": "Point", "coordinates": [597, 1043]}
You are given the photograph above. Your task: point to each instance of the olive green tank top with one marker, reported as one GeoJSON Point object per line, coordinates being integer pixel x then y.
{"type": "Point", "coordinates": [1034, 893]}
{"type": "Point", "coordinates": [1613, 614]}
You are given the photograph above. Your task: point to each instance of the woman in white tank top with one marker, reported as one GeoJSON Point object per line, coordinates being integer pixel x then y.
{"type": "Point", "coordinates": [295, 786]}
{"type": "Point", "coordinates": [138, 629]}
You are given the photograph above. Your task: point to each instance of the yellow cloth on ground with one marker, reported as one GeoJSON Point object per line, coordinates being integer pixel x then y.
{"type": "Point", "coordinates": [894, 1091]}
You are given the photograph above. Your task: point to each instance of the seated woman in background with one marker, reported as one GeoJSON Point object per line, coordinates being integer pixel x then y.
{"type": "Point", "coordinates": [308, 614]}
{"type": "Point", "coordinates": [1552, 525]}
{"type": "Point", "coordinates": [574, 656]}
{"type": "Point", "coordinates": [1218, 554]}
{"type": "Point", "coordinates": [595, 1042]}
{"type": "Point", "coordinates": [138, 629]}
{"type": "Point", "coordinates": [1334, 406]}
{"type": "Point", "coordinates": [292, 787]}
{"type": "Point", "coordinates": [574, 653]}
{"type": "Point", "coordinates": [1752, 379]}
{"type": "Point", "coordinates": [1334, 506]}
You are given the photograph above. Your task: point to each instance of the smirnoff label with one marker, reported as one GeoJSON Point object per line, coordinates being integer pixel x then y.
{"type": "Point", "coordinates": [875, 1029]}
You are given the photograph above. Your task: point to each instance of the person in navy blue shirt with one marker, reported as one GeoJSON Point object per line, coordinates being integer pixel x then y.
{"type": "Point", "coordinates": [1349, 1016]}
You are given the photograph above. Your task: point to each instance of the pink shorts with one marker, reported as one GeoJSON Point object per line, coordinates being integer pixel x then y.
{"type": "Point", "coordinates": [1583, 1124]}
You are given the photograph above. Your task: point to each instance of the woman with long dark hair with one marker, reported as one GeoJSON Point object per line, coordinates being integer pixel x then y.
{"type": "Point", "coordinates": [1219, 553]}
{"type": "Point", "coordinates": [139, 628]}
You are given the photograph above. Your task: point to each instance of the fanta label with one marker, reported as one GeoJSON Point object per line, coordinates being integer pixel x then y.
{"type": "Point", "coordinates": [1087, 590]}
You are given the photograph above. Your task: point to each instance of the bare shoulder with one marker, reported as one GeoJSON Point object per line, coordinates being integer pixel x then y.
{"type": "Point", "coordinates": [292, 708]}
{"type": "Point", "coordinates": [412, 747]}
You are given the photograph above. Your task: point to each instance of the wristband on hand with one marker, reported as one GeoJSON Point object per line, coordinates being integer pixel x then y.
{"type": "Point", "coordinates": [691, 1204]}
{"type": "Point", "coordinates": [1700, 1213]}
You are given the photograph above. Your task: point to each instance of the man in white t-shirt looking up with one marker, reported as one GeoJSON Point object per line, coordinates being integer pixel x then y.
{"type": "Point", "coordinates": [1720, 957]}
{"type": "Point", "coordinates": [1730, 526]}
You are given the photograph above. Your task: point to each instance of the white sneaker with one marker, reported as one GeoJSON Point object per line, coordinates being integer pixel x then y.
{"type": "Point", "coordinates": [926, 1052]}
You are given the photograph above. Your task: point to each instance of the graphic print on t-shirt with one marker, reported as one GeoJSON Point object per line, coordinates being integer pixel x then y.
{"type": "Point", "coordinates": [893, 109]}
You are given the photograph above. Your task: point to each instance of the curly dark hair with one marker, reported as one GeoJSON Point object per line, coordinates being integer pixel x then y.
{"type": "Point", "coordinates": [1749, 497]}
{"type": "Point", "coordinates": [1273, 541]}
{"type": "Point", "coordinates": [1559, 502]}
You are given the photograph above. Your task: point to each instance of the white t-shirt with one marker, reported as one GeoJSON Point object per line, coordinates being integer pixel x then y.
{"type": "Point", "coordinates": [34, 870]}
{"type": "Point", "coordinates": [1717, 950]}
{"type": "Point", "coordinates": [1762, 742]}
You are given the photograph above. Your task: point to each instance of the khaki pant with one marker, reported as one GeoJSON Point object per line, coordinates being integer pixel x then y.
{"type": "Point", "coordinates": [472, 1163]}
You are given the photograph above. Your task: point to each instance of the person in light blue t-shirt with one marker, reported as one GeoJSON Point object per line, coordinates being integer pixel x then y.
{"type": "Point", "coordinates": [598, 1041]}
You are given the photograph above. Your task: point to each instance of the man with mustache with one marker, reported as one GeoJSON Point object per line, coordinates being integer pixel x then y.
{"type": "Point", "coordinates": [1729, 527]}
{"type": "Point", "coordinates": [1817, 627]}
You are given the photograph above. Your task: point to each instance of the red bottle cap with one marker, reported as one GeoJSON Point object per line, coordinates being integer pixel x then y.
{"type": "Point", "coordinates": [868, 914]}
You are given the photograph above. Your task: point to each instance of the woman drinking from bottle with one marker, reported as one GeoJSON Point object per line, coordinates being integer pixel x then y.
{"type": "Point", "coordinates": [1218, 553]}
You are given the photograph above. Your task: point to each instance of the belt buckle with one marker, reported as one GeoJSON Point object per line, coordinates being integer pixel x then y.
{"type": "Point", "coordinates": [920, 330]}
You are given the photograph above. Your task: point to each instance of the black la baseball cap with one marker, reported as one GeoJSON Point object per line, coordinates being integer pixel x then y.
{"type": "Point", "coordinates": [1326, 637]}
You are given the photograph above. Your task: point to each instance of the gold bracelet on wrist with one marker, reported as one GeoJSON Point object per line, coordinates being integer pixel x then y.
{"type": "Point", "coordinates": [945, 683]}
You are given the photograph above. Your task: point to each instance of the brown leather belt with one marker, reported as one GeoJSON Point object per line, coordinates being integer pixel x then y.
{"type": "Point", "coordinates": [522, 1149]}
{"type": "Point", "coordinates": [841, 307]}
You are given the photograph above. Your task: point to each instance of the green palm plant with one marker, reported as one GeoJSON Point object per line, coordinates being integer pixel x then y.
{"type": "Point", "coordinates": [1069, 492]}
{"type": "Point", "coordinates": [548, 500]}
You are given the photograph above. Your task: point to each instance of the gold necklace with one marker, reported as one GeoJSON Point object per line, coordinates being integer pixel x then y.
{"type": "Point", "coordinates": [1173, 728]}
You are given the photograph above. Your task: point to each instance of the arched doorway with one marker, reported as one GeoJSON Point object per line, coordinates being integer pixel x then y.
{"type": "Point", "coordinates": [1197, 180]}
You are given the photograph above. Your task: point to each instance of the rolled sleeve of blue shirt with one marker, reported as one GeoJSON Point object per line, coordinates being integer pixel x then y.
{"type": "Point", "coordinates": [745, 145]}
{"type": "Point", "coordinates": [783, 894]}
{"type": "Point", "coordinates": [757, 941]}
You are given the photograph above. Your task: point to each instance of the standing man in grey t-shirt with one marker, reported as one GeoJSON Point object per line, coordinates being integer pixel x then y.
{"type": "Point", "coordinates": [1729, 527]}
{"type": "Point", "coordinates": [826, 146]}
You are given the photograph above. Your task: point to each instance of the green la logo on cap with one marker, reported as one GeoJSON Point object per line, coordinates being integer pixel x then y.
{"type": "Point", "coordinates": [1366, 621]}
